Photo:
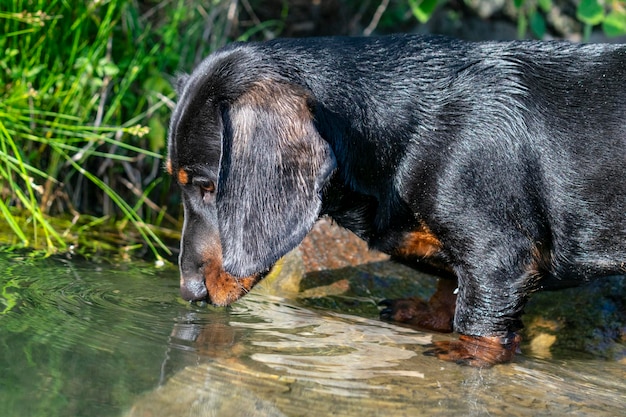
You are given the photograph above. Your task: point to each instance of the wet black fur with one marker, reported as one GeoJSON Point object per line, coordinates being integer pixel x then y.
{"type": "Point", "coordinates": [512, 153]}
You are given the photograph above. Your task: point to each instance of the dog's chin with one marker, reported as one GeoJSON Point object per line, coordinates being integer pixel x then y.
{"type": "Point", "coordinates": [224, 288]}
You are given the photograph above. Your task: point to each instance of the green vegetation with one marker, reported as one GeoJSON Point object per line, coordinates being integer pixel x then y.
{"type": "Point", "coordinates": [85, 97]}
{"type": "Point", "coordinates": [610, 14]}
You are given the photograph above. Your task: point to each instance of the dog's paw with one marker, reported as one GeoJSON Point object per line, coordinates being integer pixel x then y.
{"type": "Point", "coordinates": [476, 351]}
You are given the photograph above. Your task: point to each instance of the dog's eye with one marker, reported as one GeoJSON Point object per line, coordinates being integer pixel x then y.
{"type": "Point", "coordinates": [207, 186]}
{"type": "Point", "coordinates": [207, 189]}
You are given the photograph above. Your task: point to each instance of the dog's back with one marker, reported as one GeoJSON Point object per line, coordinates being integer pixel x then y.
{"type": "Point", "coordinates": [538, 127]}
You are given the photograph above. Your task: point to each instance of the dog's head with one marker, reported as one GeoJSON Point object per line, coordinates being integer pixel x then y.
{"type": "Point", "coordinates": [251, 166]}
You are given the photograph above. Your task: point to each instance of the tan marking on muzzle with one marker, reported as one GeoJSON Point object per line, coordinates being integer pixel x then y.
{"type": "Point", "coordinates": [224, 288]}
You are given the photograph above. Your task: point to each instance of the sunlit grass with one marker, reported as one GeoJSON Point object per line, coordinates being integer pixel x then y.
{"type": "Point", "coordinates": [84, 96]}
{"type": "Point", "coordinates": [55, 117]}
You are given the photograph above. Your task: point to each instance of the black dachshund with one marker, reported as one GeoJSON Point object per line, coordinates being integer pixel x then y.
{"type": "Point", "coordinates": [501, 163]}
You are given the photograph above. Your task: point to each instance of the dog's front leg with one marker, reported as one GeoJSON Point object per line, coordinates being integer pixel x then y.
{"type": "Point", "coordinates": [488, 310]}
{"type": "Point", "coordinates": [484, 340]}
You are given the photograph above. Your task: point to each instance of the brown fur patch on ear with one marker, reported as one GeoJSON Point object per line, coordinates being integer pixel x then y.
{"type": "Point", "coordinates": [183, 178]}
{"type": "Point", "coordinates": [276, 99]}
{"type": "Point", "coordinates": [168, 166]}
{"type": "Point", "coordinates": [277, 96]}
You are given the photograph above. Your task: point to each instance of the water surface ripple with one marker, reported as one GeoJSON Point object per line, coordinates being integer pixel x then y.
{"type": "Point", "coordinates": [79, 339]}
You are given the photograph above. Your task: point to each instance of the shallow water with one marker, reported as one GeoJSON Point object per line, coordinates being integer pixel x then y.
{"type": "Point", "coordinates": [78, 339]}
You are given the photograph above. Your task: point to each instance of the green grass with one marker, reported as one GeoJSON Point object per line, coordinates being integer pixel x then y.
{"type": "Point", "coordinates": [84, 96]}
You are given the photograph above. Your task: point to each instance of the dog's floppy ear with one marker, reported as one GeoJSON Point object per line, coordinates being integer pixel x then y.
{"type": "Point", "coordinates": [274, 165]}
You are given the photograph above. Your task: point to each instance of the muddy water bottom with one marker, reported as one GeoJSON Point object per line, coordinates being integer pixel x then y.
{"type": "Point", "coordinates": [78, 339]}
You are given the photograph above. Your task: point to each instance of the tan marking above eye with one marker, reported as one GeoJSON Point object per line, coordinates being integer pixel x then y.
{"type": "Point", "coordinates": [168, 166]}
{"type": "Point", "coordinates": [183, 178]}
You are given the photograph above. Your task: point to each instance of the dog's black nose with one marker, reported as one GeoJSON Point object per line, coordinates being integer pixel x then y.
{"type": "Point", "coordinates": [193, 289]}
